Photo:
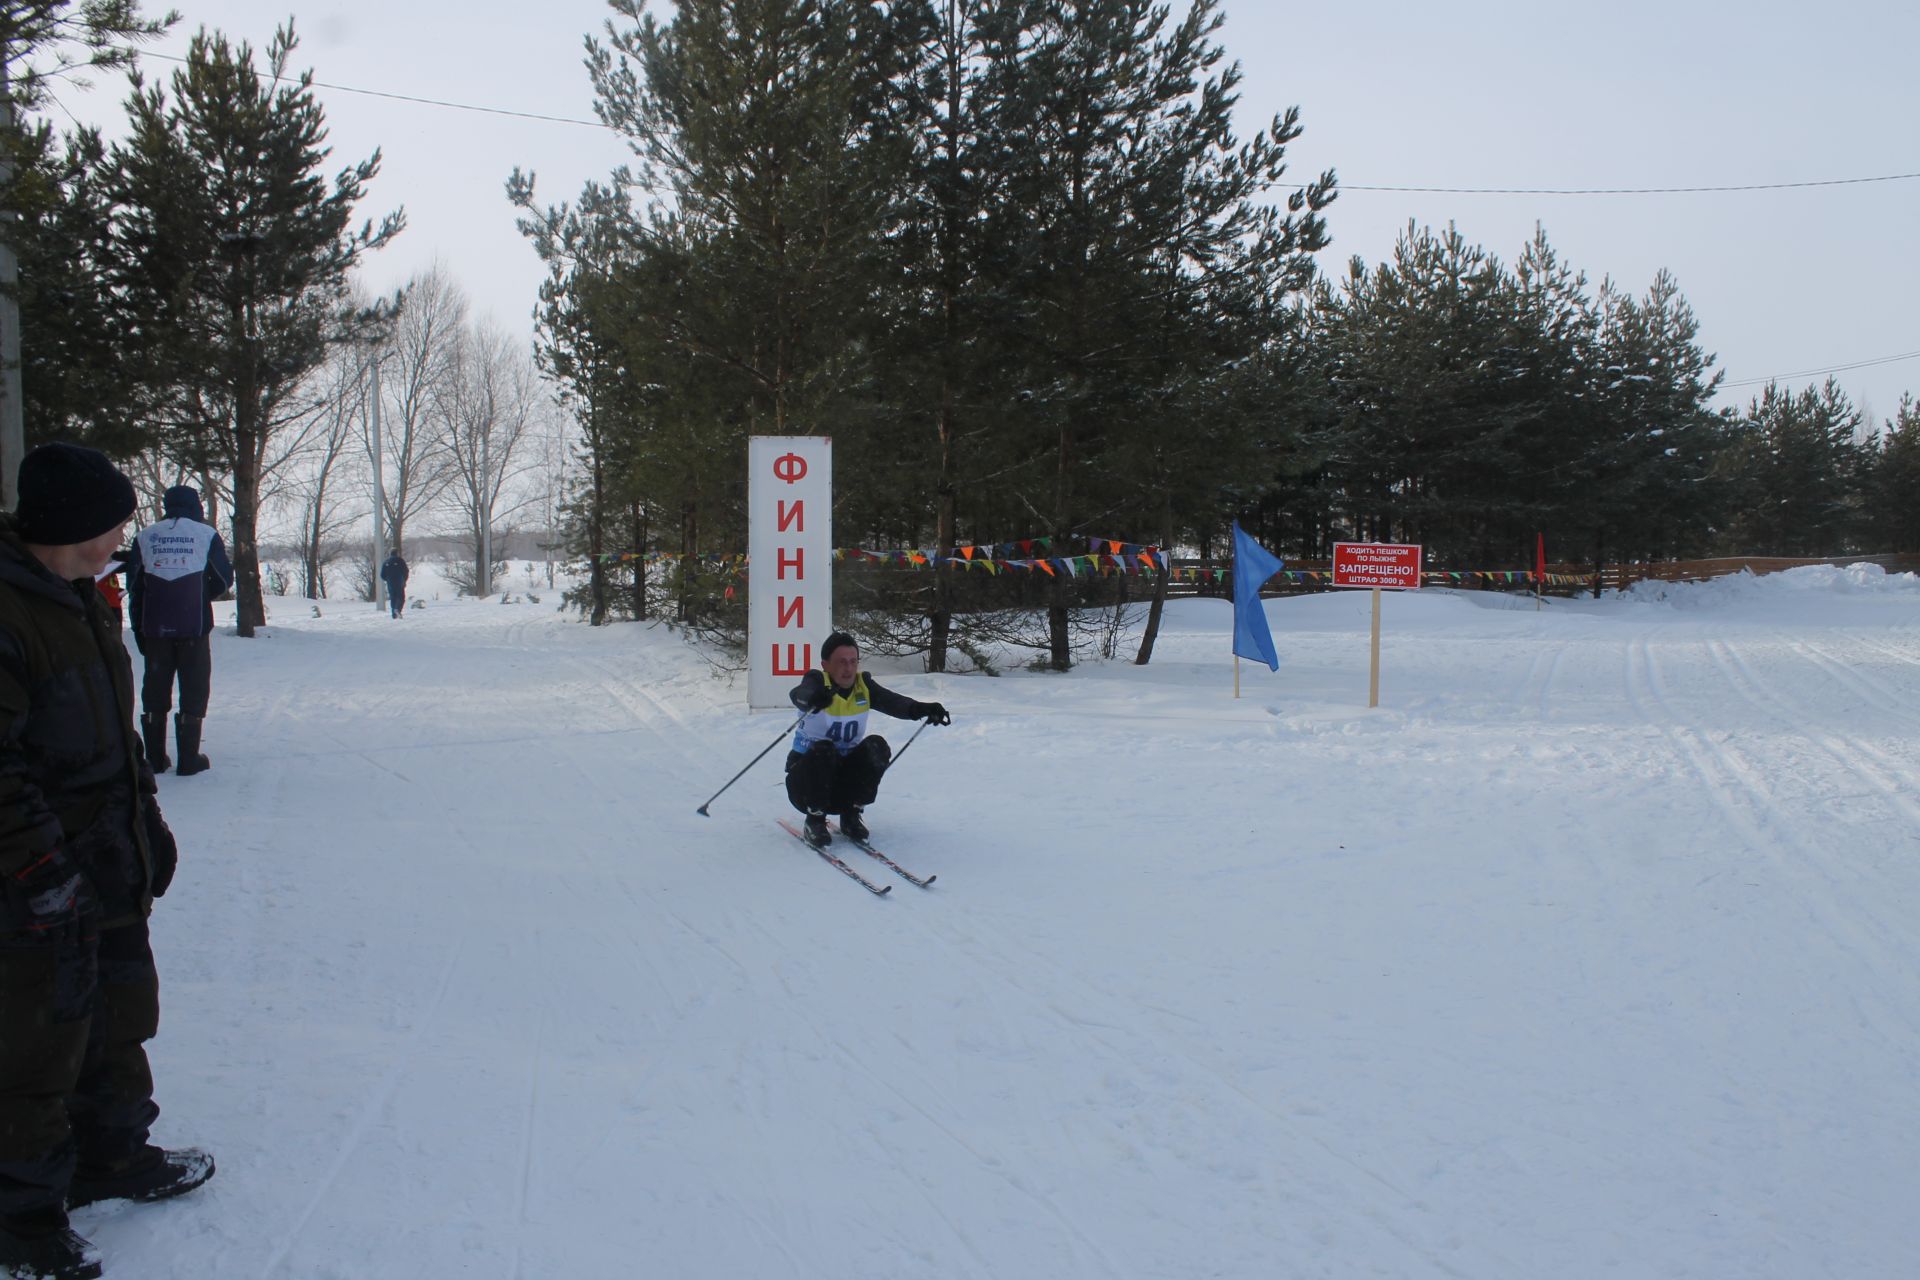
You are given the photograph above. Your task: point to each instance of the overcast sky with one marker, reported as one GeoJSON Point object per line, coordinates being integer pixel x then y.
{"type": "Point", "coordinates": [1474, 94]}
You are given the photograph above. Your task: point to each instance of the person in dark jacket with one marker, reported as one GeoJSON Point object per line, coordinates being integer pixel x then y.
{"type": "Point", "coordinates": [177, 567]}
{"type": "Point", "coordinates": [83, 854]}
{"type": "Point", "coordinates": [835, 764]}
{"type": "Point", "coordinates": [393, 572]}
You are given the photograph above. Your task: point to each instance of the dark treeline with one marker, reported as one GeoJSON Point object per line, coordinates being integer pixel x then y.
{"type": "Point", "coordinates": [1011, 256]}
{"type": "Point", "coordinates": [1008, 253]}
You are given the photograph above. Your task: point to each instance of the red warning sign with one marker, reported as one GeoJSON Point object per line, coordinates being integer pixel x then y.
{"type": "Point", "coordinates": [1376, 564]}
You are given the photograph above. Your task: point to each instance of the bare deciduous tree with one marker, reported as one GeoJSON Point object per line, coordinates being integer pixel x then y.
{"type": "Point", "coordinates": [316, 489]}
{"type": "Point", "coordinates": [415, 364]}
{"type": "Point", "coordinates": [491, 409]}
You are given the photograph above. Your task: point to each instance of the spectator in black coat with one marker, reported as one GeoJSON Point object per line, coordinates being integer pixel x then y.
{"type": "Point", "coordinates": [393, 572]}
{"type": "Point", "coordinates": [83, 854]}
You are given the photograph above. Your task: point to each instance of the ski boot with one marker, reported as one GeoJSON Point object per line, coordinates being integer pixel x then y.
{"type": "Point", "coordinates": [815, 829]}
{"type": "Point", "coordinates": [852, 825]}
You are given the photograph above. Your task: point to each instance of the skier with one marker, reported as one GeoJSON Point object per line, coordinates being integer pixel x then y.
{"type": "Point", "coordinates": [835, 765]}
{"type": "Point", "coordinates": [177, 567]}
{"type": "Point", "coordinates": [393, 572]}
{"type": "Point", "coordinates": [83, 854]}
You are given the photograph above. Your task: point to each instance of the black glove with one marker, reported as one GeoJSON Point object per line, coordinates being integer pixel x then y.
{"type": "Point", "coordinates": [820, 699]}
{"type": "Point", "coordinates": [934, 713]}
{"type": "Point", "coordinates": [166, 853]}
{"type": "Point", "coordinates": [53, 890]}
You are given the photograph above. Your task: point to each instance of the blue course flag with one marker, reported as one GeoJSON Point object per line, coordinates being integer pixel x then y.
{"type": "Point", "coordinates": [1253, 564]}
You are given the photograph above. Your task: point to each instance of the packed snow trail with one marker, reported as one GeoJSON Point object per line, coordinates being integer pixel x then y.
{"type": "Point", "coordinates": [1592, 952]}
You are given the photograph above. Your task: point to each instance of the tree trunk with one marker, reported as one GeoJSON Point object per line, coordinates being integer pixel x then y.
{"type": "Point", "coordinates": [482, 570]}
{"type": "Point", "coordinates": [252, 609]}
{"type": "Point", "coordinates": [639, 564]}
{"type": "Point", "coordinates": [689, 548]}
{"type": "Point", "coordinates": [1059, 638]}
{"type": "Point", "coordinates": [946, 536]}
{"type": "Point", "coordinates": [310, 567]}
{"type": "Point", "coordinates": [1159, 605]}
{"type": "Point", "coordinates": [597, 546]}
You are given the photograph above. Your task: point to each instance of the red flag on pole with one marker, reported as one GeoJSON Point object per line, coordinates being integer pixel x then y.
{"type": "Point", "coordinates": [1540, 554]}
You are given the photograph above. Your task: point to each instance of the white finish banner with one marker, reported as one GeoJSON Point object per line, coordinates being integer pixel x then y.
{"type": "Point", "coordinates": [789, 562]}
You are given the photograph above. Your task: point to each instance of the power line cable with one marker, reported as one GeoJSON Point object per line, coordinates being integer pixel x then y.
{"type": "Point", "coordinates": [1345, 186]}
{"type": "Point", "coordinates": [1814, 373]}
{"type": "Point", "coordinates": [427, 102]}
{"type": "Point", "coordinates": [1634, 191]}
{"type": "Point", "coordinates": [1497, 191]}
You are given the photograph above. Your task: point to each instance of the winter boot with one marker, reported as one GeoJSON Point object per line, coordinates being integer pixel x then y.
{"type": "Point", "coordinates": [852, 825]}
{"type": "Point", "coordinates": [186, 732]}
{"type": "Point", "coordinates": [816, 829]}
{"type": "Point", "coordinates": [154, 730]}
{"type": "Point", "coordinates": [41, 1246]}
{"type": "Point", "coordinates": [154, 1174]}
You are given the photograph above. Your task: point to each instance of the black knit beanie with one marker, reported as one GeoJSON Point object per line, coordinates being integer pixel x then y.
{"type": "Point", "coordinates": [833, 642]}
{"type": "Point", "coordinates": [70, 494]}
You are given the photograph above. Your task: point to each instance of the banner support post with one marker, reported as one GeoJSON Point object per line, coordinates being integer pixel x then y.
{"type": "Point", "coordinates": [1373, 678]}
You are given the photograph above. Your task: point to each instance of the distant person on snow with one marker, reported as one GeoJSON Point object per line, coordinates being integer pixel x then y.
{"type": "Point", "coordinates": [393, 572]}
{"type": "Point", "coordinates": [83, 854]}
{"type": "Point", "coordinates": [178, 566]}
{"type": "Point", "coordinates": [835, 765]}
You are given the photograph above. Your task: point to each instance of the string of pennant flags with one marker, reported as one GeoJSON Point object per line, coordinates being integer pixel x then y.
{"type": "Point", "coordinates": [1140, 560]}
{"type": "Point", "coordinates": [1102, 557]}
{"type": "Point", "coordinates": [1431, 577]}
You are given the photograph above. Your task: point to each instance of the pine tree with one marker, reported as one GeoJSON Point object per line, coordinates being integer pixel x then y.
{"type": "Point", "coordinates": [1129, 202]}
{"type": "Point", "coordinates": [1893, 482]}
{"type": "Point", "coordinates": [1655, 390]}
{"type": "Point", "coordinates": [1793, 471]}
{"type": "Point", "coordinates": [74, 364]}
{"type": "Point", "coordinates": [762, 123]}
{"type": "Point", "coordinates": [49, 285]}
{"type": "Point", "coordinates": [235, 257]}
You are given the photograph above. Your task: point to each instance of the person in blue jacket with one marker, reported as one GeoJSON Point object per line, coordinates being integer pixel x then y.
{"type": "Point", "coordinates": [835, 764]}
{"type": "Point", "coordinates": [178, 566]}
{"type": "Point", "coordinates": [393, 572]}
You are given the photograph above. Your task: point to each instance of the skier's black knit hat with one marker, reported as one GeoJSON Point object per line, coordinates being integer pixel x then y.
{"type": "Point", "coordinates": [70, 494]}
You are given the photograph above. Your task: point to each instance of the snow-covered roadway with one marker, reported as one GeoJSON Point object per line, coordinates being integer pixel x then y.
{"type": "Point", "coordinates": [1594, 952]}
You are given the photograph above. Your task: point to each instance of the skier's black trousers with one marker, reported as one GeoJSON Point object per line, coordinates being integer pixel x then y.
{"type": "Point", "coordinates": [822, 779]}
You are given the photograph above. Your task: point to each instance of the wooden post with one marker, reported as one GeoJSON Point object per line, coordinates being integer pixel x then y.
{"type": "Point", "coordinates": [1236, 675]}
{"type": "Point", "coordinates": [1373, 680]}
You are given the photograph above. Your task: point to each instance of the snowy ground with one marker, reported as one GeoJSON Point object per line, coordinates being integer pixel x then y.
{"type": "Point", "coordinates": [1594, 952]}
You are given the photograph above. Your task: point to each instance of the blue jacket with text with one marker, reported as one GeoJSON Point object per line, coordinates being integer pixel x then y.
{"type": "Point", "coordinates": [179, 565]}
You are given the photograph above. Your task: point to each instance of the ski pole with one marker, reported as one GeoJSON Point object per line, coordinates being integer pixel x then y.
{"type": "Point", "coordinates": [702, 810]}
{"type": "Point", "coordinates": [916, 733]}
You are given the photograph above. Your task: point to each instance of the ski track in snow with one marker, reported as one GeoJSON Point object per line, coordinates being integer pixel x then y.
{"type": "Point", "coordinates": [1590, 953]}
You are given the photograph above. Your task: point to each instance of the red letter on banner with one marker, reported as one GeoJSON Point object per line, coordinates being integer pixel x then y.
{"type": "Point", "coordinates": [790, 612]}
{"type": "Point", "coordinates": [794, 515]}
{"type": "Point", "coordinates": [806, 661]}
{"type": "Point", "coordinates": [799, 563]}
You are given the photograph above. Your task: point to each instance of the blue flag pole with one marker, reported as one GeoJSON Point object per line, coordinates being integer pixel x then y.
{"type": "Point", "coordinates": [1253, 564]}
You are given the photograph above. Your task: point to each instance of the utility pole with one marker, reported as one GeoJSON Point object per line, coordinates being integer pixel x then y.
{"type": "Point", "coordinates": [13, 436]}
{"type": "Point", "coordinates": [379, 489]}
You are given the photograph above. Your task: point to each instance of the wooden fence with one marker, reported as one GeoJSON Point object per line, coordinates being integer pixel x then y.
{"type": "Point", "coordinates": [1563, 579]}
